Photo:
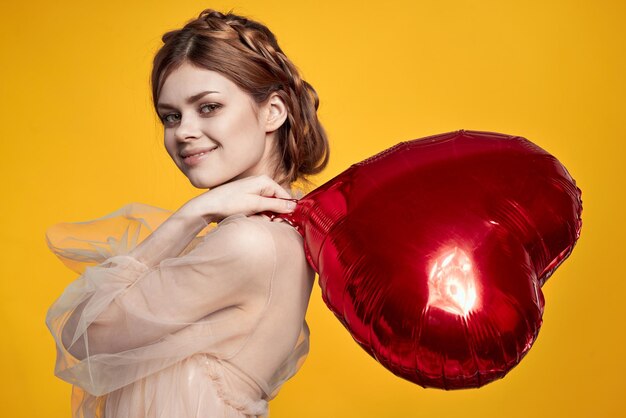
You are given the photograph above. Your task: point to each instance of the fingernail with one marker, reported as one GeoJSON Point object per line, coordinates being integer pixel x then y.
{"type": "Point", "coordinates": [291, 205]}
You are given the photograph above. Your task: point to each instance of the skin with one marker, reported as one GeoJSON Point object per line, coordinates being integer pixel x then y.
{"type": "Point", "coordinates": [238, 171]}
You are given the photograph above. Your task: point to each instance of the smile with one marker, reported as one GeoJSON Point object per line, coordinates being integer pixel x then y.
{"type": "Point", "coordinates": [194, 159]}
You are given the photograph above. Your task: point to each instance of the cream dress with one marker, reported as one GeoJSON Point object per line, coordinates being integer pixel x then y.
{"type": "Point", "coordinates": [171, 342]}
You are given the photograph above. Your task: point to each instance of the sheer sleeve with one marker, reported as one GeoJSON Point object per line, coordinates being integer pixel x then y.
{"type": "Point", "coordinates": [82, 244]}
{"type": "Point", "coordinates": [121, 320]}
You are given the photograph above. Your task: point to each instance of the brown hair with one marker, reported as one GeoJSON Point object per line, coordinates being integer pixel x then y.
{"type": "Point", "coordinates": [247, 53]}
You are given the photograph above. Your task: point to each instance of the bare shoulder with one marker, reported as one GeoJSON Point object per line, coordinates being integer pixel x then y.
{"type": "Point", "coordinates": [259, 237]}
{"type": "Point", "coordinates": [289, 244]}
{"type": "Point", "coordinates": [241, 236]}
{"type": "Point", "coordinates": [266, 246]}
{"type": "Point", "coordinates": [281, 231]}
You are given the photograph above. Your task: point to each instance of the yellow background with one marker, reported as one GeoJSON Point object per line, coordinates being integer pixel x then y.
{"type": "Point", "coordinates": [79, 140]}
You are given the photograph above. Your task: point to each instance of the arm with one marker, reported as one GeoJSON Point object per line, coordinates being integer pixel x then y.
{"type": "Point", "coordinates": [131, 304]}
{"type": "Point", "coordinates": [128, 316]}
{"type": "Point", "coordinates": [170, 238]}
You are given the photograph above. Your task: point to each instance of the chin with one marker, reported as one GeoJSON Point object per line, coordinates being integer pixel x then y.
{"type": "Point", "coordinates": [201, 182]}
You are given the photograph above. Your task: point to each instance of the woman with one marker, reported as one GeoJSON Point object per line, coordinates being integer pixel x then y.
{"type": "Point", "coordinates": [183, 325]}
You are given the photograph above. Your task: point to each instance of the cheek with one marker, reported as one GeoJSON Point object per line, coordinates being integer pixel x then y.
{"type": "Point", "coordinates": [170, 146]}
{"type": "Point", "coordinates": [241, 131]}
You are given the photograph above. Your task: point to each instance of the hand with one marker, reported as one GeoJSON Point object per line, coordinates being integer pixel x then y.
{"type": "Point", "coordinates": [248, 195]}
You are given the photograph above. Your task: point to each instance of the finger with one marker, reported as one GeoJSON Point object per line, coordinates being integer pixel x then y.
{"type": "Point", "coordinates": [279, 205]}
{"type": "Point", "coordinates": [270, 188]}
{"type": "Point", "coordinates": [281, 193]}
{"type": "Point", "coordinates": [274, 204]}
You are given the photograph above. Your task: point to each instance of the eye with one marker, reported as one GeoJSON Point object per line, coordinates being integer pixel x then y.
{"type": "Point", "coordinates": [211, 106]}
{"type": "Point", "coordinates": [172, 118]}
{"type": "Point", "coordinates": [167, 119]}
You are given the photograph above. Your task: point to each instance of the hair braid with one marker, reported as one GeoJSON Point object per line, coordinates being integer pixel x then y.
{"type": "Point", "coordinates": [301, 97]}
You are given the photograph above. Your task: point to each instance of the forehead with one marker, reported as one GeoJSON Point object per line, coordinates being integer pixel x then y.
{"type": "Point", "coordinates": [188, 80]}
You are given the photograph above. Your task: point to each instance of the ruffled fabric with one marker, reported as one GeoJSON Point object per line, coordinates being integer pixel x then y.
{"type": "Point", "coordinates": [206, 388]}
{"type": "Point", "coordinates": [170, 340]}
{"type": "Point", "coordinates": [82, 244]}
{"type": "Point", "coordinates": [226, 376]}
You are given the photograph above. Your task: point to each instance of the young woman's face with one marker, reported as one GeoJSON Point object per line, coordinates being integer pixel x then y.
{"type": "Point", "coordinates": [212, 129]}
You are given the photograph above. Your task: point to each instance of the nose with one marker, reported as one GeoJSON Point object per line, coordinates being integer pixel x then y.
{"type": "Point", "coordinates": [188, 129]}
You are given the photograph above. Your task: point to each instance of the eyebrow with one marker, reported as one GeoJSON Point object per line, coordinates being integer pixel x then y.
{"type": "Point", "coordinates": [189, 100]}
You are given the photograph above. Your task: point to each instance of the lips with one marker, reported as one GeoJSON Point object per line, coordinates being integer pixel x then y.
{"type": "Point", "coordinates": [189, 153]}
{"type": "Point", "coordinates": [193, 157]}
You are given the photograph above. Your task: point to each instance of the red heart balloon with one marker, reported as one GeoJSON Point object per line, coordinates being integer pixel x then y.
{"type": "Point", "coordinates": [433, 252]}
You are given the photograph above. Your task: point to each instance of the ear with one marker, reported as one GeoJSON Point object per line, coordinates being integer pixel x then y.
{"type": "Point", "coordinates": [276, 112]}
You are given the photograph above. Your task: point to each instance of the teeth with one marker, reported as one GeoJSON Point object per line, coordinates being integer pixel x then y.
{"type": "Point", "coordinates": [202, 153]}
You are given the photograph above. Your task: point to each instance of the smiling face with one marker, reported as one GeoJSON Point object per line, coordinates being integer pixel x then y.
{"type": "Point", "coordinates": [213, 130]}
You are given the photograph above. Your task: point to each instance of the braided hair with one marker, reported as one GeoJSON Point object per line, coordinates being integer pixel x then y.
{"type": "Point", "coordinates": [247, 53]}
